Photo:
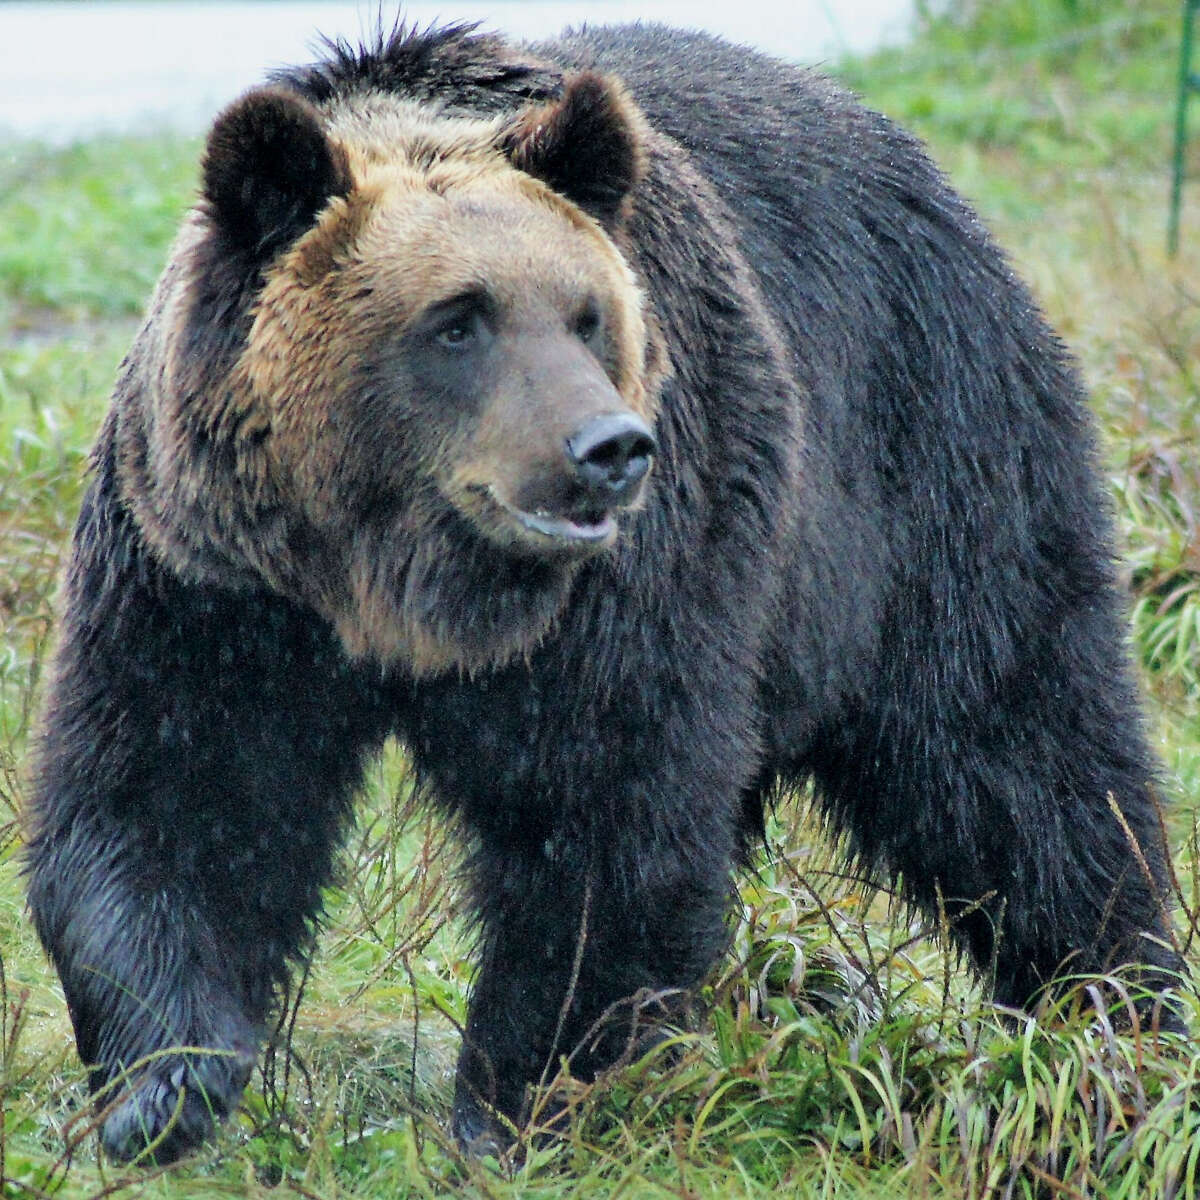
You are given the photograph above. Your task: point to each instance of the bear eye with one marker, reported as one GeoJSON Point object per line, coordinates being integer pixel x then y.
{"type": "Point", "coordinates": [459, 323]}
{"type": "Point", "coordinates": [458, 327]}
{"type": "Point", "coordinates": [457, 334]}
{"type": "Point", "coordinates": [588, 323]}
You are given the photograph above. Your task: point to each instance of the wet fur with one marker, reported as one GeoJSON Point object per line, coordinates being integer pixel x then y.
{"type": "Point", "coordinates": [873, 554]}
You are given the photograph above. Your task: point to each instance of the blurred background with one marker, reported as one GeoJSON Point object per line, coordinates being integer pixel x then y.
{"type": "Point", "coordinates": [70, 68]}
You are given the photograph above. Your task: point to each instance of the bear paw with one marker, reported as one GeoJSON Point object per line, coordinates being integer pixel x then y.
{"type": "Point", "coordinates": [477, 1133]}
{"type": "Point", "coordinates": [174, 1107]}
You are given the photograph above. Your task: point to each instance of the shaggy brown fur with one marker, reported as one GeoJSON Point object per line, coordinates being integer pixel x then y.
{"type": "Point", "coordinates": [633, 451]}
{"type": "Point", "coordinates": [424, 210]}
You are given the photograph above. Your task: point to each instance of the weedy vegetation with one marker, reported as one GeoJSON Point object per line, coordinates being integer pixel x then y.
{"type": "Point", "coordinates": [843, 1055]}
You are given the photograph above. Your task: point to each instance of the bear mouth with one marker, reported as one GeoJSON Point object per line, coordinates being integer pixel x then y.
{"type": "Point", "coordinates": [583, 529]}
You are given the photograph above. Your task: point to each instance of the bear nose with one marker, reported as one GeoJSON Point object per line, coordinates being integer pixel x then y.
{"type": "Point", "coordinates": [611, 453]}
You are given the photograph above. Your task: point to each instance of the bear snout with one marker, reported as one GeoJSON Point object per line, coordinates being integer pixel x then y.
{"type": "Point", "coordinates": [535, 487]}
{"type": "Point", "coordinates": [569, 502]}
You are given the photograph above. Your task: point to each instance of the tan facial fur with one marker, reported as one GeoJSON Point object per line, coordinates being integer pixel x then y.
{"type": "Point", "coordinates": [380, 463]}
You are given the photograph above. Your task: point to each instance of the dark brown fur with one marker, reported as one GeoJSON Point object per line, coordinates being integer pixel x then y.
{"type": "Point", "coordinates": [379, 463]}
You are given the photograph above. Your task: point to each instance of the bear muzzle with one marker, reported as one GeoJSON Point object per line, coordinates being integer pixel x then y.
{"type": "Point", "coordinates": [564, 500]}
{"type": "Point", "coordinates": [606, 461]}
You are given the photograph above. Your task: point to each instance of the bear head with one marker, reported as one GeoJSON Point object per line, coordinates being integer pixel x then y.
{"type": "Point", "coordinates": [403, 373]}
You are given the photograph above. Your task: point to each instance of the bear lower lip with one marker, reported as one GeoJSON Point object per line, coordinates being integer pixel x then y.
{"type": "Point", "coordinates": [582, 529]}
{"type": "Point", "coordinates": [567, 529]}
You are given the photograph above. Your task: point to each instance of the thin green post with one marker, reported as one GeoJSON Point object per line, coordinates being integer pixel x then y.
{"type": "Point", "coordinates": [1187, 83]}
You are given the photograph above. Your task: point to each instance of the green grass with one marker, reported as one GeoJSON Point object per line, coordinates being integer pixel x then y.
{"type": "Point", "coordinates": [844, 1055]}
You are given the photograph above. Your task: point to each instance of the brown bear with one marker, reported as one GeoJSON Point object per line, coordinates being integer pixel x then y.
{"type": "Point", "coordinates": [635, 426]}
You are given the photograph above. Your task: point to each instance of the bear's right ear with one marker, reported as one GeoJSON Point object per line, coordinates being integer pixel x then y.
{"type": "Point", "coordinates": [269, 169]}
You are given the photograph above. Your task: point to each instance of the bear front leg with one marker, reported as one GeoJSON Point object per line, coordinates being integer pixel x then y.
{"type": "Point", "coordinates": [584, 955]}
{"type": "Point", "coordinates": [196, 762]}
{"type": "Point", "coordinates": [152, 985]}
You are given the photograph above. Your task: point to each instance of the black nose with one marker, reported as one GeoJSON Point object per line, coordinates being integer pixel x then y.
{"type": "Point", "coordinates": [612, 454]}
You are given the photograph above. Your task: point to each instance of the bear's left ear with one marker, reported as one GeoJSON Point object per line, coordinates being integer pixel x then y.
{"type": "Point", "coordinates": [587, 145]}
{"type": "Point", "coordinates": [269, 169]}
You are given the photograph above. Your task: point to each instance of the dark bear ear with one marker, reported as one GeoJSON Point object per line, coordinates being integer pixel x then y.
{"type": "Point", "coordinates": [586, 145]}
{"type": "Point", "coordinates": [269, 169]}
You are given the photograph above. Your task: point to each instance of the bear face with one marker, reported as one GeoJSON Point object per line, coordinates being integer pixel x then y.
{"type": "Point", "coordinates": [441, 393]}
